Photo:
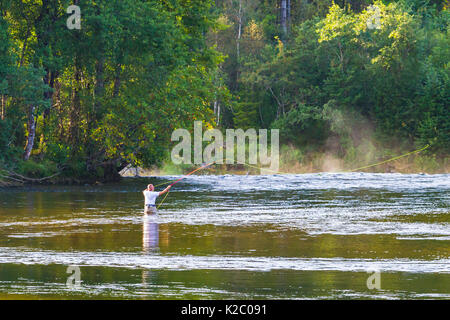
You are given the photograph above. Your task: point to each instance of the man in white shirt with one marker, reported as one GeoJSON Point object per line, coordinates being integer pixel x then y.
{"type": "Point", "coordinates": [150, 198]}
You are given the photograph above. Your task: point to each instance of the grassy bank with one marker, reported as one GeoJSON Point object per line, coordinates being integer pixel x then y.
{"type": "Point", "coordinates": [293, 160]}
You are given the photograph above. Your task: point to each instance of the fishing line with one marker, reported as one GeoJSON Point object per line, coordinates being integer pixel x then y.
{"type": "Point", "coordinates": [392, 159]}
{"type": "Point", "coordinates": [357, 169]}
{"type": "Point", "coordinates": [280, 172]}
{"type": "Point", "coordinates": [162, 201]}
{"type": "Point", "coordinates": [176, 181]}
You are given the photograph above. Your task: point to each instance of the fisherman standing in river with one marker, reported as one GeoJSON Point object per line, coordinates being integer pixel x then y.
{"type": "Point", "coordinates": [150, 194]}
{"type": "Point", "coordinates": [150, 198]}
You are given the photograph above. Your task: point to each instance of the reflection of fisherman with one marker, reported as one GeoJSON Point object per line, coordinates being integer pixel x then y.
{"type": "Point", "coordinates": [150, 234]}
{"type": "Point", "coordinates": [150, 198]}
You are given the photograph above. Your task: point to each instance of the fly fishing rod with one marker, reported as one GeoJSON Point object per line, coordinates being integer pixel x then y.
{"type": "Point", "coordinates": [175, 182]}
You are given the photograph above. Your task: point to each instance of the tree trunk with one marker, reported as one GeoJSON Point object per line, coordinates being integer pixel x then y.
{"type": "Point", "coordinates": [44, 34]}
{"type": "Point", "coordinates": [283, 17]}
{"type": "Point", "coordinates": [99, 91]}
{"type": "Point", "coordinates": [117, 81]}
{"type": "Point", "coordinates": [99, 71]}
{"type": "Point", "coordinates": [238, 40]}
{"type": "Point", "coordinates": [239, 30]}
{"type": "Point", "coordinates": [49, 80]}
{"type": "Point", "coordinates": [3, 103]}
{"type": "Point", "coordinates": [75, 107]}
{"type": "Point", "coordinates": [260, 115]}
{"type": "Point", "coordinates": [216, 76]}
{"type": "Point", "coordinates": [31, 133]}
{"type": "Point", "coordinates": [59, 110]}
{"type": "Point", "coordinates": [288, 13]}
{"type": "Point", "coordinates": [99, 81]}
{"type": "Point", "coordinates": [24, 46]}
{"type": "Point", "coordinates": [217, 111]}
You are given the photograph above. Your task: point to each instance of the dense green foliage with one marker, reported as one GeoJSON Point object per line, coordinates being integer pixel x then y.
{"type": "Point", "coordinates": [108, 94]}
{"type": "Point", "coordinates": [94, 100]}
{"type": "Point", "coordinates": [334, 78]}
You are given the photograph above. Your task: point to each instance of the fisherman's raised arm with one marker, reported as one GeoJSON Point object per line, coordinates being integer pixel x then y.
{"type": "Point", "coordinates": [165, 190]}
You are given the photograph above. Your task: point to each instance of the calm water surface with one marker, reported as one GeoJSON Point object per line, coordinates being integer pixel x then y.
{"type": "Point", "coordinates": [313, 236]}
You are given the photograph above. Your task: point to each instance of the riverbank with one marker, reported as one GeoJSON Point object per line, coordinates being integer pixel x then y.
{"type": "Point", "coordinates": [317, 164]}
{"type": "Point", "coordinates": [292, 161]}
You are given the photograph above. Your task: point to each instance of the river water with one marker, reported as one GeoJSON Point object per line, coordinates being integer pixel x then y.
{"type": "Point", "coordinates": [308, 236]}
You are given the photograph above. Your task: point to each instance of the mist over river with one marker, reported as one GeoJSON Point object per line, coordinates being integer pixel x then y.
{"type": "Point", "coordinates": [313, 236]}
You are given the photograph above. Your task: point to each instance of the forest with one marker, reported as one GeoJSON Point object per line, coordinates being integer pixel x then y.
{"type": "Point", "coordinates": [347, 83]}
